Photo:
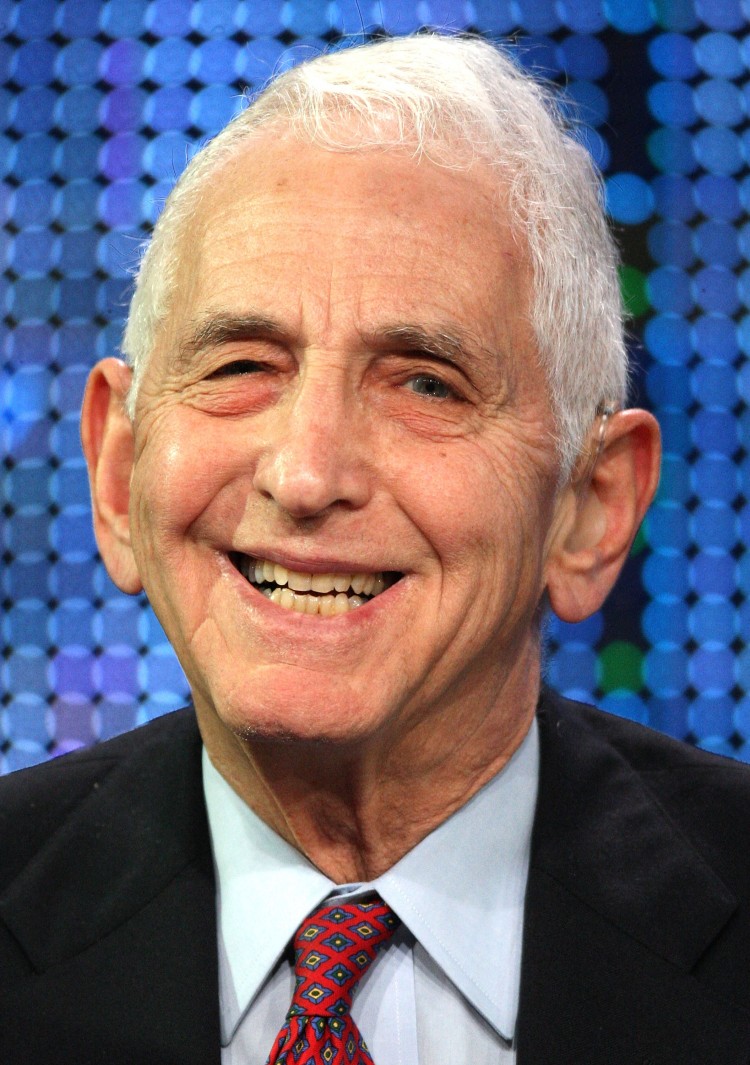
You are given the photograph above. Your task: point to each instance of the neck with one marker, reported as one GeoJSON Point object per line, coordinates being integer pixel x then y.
{"type": "Point", "coordinates": [355, 812]}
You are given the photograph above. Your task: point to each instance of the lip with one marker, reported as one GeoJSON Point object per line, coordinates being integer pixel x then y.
{"type": "Point", "coordinates": [275, 616]}
{"type": "Point", "coordinates": [316, 563]}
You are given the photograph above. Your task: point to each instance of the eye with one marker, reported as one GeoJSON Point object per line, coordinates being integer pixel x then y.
{"type": "Point", "coordinates": [237, 368]}
{"type": "Point", "coordinates": [425, 384]}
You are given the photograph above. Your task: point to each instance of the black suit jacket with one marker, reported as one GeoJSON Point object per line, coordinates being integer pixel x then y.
{"type": "Point", "coordinates": [637, 929]}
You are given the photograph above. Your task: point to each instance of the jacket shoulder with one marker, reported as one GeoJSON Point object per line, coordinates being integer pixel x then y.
{"type": "Point", "coordinates": [706, 796]}
{"type": "Point", "coordinates": [645, 749]}
{"type": "Point", "coordinates": [35, 801]}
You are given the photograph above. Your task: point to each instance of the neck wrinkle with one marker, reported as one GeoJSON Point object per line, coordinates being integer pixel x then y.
{"type": "Point", "coordinates": [384, 802]}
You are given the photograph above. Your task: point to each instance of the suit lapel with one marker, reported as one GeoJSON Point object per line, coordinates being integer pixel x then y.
{"type": "Point", "coordinates": [619, 909]}
{"type": "Point", "coordinates": [130, 924]}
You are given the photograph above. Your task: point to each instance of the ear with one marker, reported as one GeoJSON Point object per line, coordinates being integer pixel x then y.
{"type": "Point", "coordinates": [108, 444]}
{"type": "Point", "coordinates": [599, 514]}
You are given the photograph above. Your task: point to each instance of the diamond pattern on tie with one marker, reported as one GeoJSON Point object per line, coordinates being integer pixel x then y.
{"type": "Point", "coordinates": [333, 949]}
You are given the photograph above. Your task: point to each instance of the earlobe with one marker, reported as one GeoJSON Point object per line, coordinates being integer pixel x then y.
{"type": "Point", "coordinates": [604, 511]}
{"type": "Point", "coordinates": [108, 445]}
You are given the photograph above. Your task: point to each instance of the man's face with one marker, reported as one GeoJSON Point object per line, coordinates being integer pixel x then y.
{"type": "Point", "coordinates": [347, 389]}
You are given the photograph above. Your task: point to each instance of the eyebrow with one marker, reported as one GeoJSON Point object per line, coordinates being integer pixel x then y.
{"type": "Point", "coordinates": [218, 329]}
{"type": "Point", "coordinates": [455, 347]}
{"type": "Point", "coordinates": [448, 345]}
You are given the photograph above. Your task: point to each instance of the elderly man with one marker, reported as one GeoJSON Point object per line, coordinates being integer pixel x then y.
{"type": "Point", "coordinates": [370, 430]}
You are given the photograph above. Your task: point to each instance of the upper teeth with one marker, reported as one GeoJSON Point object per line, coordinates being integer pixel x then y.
{"type": "Point", "coordinates": [260, 571]}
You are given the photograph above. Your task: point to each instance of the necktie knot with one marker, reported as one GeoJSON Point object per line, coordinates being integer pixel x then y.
{"type": "Point", "coordinates": [333, 949]}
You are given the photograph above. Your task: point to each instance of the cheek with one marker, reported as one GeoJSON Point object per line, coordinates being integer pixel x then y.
{"type": "Point", "coordinates": [180, 471]}
{"type": "Point", "coordinates": [482, 509]}
{"type": "Point", "coordinates": [452, 496]}
{"type": "Point", "coordinates": [487, 474]}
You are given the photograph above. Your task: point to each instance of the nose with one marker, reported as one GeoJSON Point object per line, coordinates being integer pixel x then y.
{"type": "Point", "coordinates": [312, 456]}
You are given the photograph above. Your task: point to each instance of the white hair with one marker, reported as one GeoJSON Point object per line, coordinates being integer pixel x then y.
{"type": "Point", "coordinates": [454, 100]}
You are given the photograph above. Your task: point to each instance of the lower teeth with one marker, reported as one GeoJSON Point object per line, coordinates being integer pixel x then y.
{"type": "Point", "coordinates": [304, 603]}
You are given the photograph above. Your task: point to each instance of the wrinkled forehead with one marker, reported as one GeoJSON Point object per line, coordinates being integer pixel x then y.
{"type": "Point", "coordinates": [283, 195]}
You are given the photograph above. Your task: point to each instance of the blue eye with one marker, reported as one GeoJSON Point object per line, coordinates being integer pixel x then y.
{"type": "Point", "coordinates": [426, 385]}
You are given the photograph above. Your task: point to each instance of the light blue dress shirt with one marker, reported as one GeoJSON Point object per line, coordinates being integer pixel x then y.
{"type": "Point", "coordinates": [445, 989]}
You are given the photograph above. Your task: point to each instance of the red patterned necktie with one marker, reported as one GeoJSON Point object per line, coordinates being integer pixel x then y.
{"type": "Point", "coordinates": [333, 949]}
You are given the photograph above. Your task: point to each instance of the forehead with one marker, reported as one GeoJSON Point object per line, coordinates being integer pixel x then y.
{"type": "Point", "coordinates": [342, 239]}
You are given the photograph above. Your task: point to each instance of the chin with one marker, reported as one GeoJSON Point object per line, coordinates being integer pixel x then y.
{"type": "Point", "coordinates": [285, 712]}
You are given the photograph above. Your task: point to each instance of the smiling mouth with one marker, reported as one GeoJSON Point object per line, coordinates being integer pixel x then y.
{"type": "Point", "coordinates": [325, 594]}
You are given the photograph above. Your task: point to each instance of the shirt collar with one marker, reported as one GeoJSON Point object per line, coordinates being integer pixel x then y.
{"type": "Point", "coordinates": [460, 891]}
